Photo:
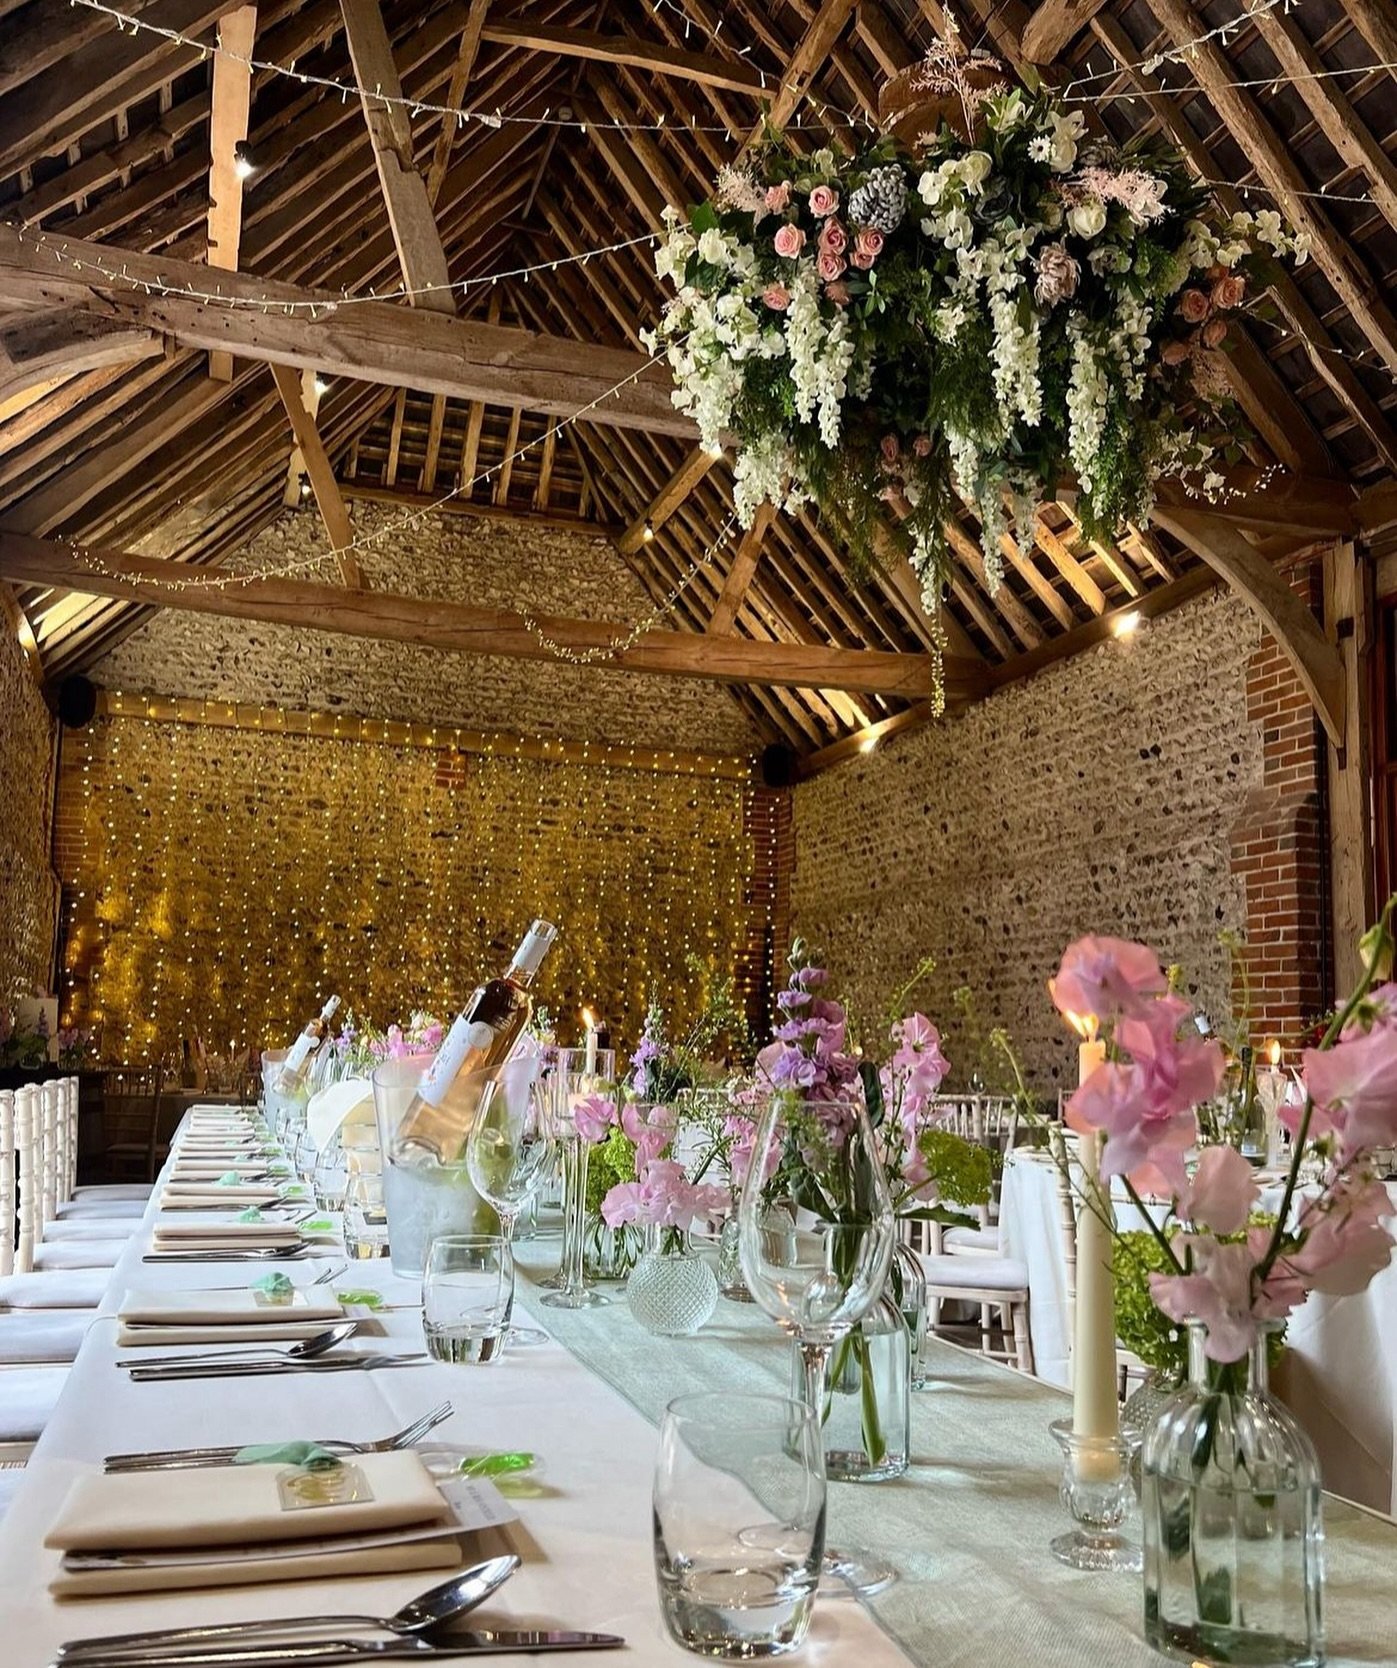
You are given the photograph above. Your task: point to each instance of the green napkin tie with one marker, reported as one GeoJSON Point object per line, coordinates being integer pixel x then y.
{"type": "Point", "coordinates": [274, 1285]}
{"type": "Point", "coordinates": [251, 1214]}
{"type": "Point", "coordinates": [230, 1178]}
{"type": "Point", "coordinates": [317, 1225]}
{"type": "Point", "coordinates": [496, 1465]}
{"type": "Point", "coordinates": [310, 1455]}
{"type": "Point", "coordinates": [362, 1296]}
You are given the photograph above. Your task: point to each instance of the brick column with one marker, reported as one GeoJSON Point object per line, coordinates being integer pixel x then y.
{"type": "Point", "coordinates": [1279, 849]}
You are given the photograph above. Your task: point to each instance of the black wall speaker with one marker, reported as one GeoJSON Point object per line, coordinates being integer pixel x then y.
{"type": "Point", "coordinates": [778, 765]}
{"type": "Point", "coordinates": [77, 702]}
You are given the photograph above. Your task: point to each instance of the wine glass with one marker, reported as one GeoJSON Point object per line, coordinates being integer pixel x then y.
{"type": "Point", "coordinates": [818, 1270]}
{"type": "Point", "coordinates": [511, 1147]}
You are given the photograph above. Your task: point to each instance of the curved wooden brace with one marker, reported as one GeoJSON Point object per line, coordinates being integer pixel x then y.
{"type": "Point", "coordinates": [38, 346]}
{"type": "Point", "coordinates": [1316, 661]}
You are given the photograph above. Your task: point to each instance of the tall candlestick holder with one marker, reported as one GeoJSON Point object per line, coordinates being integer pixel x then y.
{"type": "Point", "coordinates": [578, 1073]}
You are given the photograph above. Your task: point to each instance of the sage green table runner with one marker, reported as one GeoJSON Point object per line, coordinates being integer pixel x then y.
{"type": "Point", "coordinates": [968, 1527]}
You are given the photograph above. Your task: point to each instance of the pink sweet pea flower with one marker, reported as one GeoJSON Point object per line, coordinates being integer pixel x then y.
{"type": "Point", "coordinates": [789, 241]}
{"type": "Point", "coordinates": [1354, 1088]}
{"type": "Point", "coordinates": [594, 1115]}
{"type": "Point", "coordinates": [651, 1128]}
{"type": "Point", "coordinates": [824, 200]}
{"type": "Point", "coordinates": [1105, 978]}
{"type": "Point", "coordinates": [1346, 1240]}
{"type": "Point", "coordinates": [1221, 1193]}
{"type": "Point", "coordinates": [1218, 1293]}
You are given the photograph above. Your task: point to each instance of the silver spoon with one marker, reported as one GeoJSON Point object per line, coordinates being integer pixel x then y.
{"type": "Point", "coordinates": [303, 1350]}
{"type": "Point", "coordinates": [422, 1615]}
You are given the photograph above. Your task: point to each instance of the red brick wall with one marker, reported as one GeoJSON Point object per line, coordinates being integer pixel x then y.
{"type": "Point", "coordinates": [1279, 848]}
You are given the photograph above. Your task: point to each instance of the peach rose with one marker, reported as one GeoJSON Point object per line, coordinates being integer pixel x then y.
{"type": "Point", "coordinates": [1214, 333]}
{"type": "Point", "coordinates": [1229, 292]}
{"type": "Point", "coordinates": [824, 199]}
{"type": "Point", "coordinates": [1194, 306]}
{"type": "Point", "coordinates": [1176, 351]}
{"type": "Point", "coordinates": [789, 241]}
{"type": "Point", "coordinates": [834, 240]}
{"type": "Point", "coordinates": [830, 266]}
{"type": "Point", "coordinates": [868, 245]}
{"type": "Point", "coordinates": [777, 297]}
{"type": "Point", "coordinates": [838, 293]}
{"type": "Point", "coordinates": [777, 196]}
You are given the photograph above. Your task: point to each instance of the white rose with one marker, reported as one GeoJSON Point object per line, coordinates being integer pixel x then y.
{"type": "Point", "coordinates": [712, 247]}
{"type": "Point", "coordinates": [1087, 219]}
{"type": "Point", "coordinates": [973, 169]}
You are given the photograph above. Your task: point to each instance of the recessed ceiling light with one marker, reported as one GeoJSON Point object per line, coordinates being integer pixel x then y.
{"type": "Point", "coordinates": [1125, 625]}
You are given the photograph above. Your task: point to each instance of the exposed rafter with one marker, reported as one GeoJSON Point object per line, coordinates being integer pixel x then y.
{"type": "Point", "coordinates": [320, 472]}
{"type": "Point", "coordinates": [228, 120]}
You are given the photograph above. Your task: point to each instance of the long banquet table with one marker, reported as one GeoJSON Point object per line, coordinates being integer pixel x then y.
{"type": "Point", "coordinates": [967, 1528]}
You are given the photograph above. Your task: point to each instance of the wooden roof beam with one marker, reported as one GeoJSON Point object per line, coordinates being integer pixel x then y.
{"type": "Point", "coordinates": [37, 347]}
{"type": "Point", "coordinates": [368, 341]}
{"type": "Point", "coordinates": [228, 119]}
{"type": "Point", "coordinates": [667, 500]}
{"type": "Point", "coordinates": [1316, 661]}
{"type": "Point", "coordinates": [1277, 170]}
{"type": "Point", "coordinates": [415, 234]}
{"type": "Point", "coordinates": [744, 567]}
{"type": "Point", "coordinates": [633, 50]}
{"type": "Point", "coordinates": [461, 72]}
{"type": "Point", "coordinates": [813, 48]}
{"type": "Point", "coordinates": [320, 471]}
{"type": "Point", "coordinates": [434, 623]}
{"type": "Point", "coordinates": [1053, 25]}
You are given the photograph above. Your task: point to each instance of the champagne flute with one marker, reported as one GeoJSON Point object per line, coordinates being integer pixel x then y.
{"type": "Point", "coordinates": [510, 1149]}
{"type": "Point", "coordinates": [817, 1271]}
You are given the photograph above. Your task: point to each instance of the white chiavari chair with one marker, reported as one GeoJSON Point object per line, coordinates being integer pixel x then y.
{"type": "Point", "coordinates": [26, 1179]}
{"type": "Point", "coordinates": [8, 1222]}
{"type": "Point", "coordinates": [48, 1153]}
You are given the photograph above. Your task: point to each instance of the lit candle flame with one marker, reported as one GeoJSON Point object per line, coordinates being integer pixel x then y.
{"type": "Point", "coordinates": [1085, 1025]}
{"type": "Point", "coordinates": [1275, 1054]}
{"type": "Point", "coordinates": [589, 1019]}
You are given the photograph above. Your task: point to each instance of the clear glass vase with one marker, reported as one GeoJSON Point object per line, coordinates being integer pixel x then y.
{"type": "Point", "coordinates": [609, 1253]}
{"type": "Point", "coordinates": [731, 1281]}
{"type": "Point", "coordinates": [866, 1407]}
{"type": "Point", "coordinates": [907, 1285]}
{"type": "Point", "coordinates": [1234, 1540]}
{"type": "Point", "coordinates": [672, 1291]}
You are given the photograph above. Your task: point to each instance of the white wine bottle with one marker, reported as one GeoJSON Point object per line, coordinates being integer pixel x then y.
{"type": "Point", "coordinates": [293, 1067]}
{"type": "Point", "coordinates": [482, 1038]}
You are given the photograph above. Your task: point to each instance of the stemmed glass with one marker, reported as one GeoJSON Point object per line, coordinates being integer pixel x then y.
{"type": "Point", "coordinates": [511, 1149]}
{"type": "Point", "coordinates": [818, 1275]}
{"type": "Point", "coordinates": [577, 1074]}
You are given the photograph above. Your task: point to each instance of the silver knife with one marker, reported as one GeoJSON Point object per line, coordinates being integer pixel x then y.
{"type": "Point", "coordinates": [243, 1369]}
{"type": "Point", "coordinates": [478, 1642]}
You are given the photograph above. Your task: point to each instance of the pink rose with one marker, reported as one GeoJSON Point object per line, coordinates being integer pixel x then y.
{"type": "Point", "coordinates": [1194, 306]}
{"type": "Point", "coordinates": [1229, 292]}
{"type": "Point", "coordinates": [1214, 333]}
{"type": "Point", "coordinates": [777, 196]}
{"type": "Point", "coordinates": [1105, 977]}
{"type": "Point", "coordinates": [838, 293]}
{"type": "Point", "coordinates": [1176, 351]}
{"type": "Point", "coordinates": [777, 297]}
{"type": "Point", "coordinates": [868, 243]}
{"type": "Point", "coordinates": [789, 241]}
{"type": "Point", "coordinates": [834, 240]}
{"type": "Point", "coordinates": [824, 199]}
{"type": "Point", "coordinates": [830, 266]}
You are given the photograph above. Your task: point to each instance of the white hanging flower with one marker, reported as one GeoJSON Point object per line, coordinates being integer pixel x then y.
{"type": "Point", "coordinates": [713, 247]}
{"type": "Point", "coordinates": [1067, 130]}
{"type": "Point", "coordinates": [974, 169]}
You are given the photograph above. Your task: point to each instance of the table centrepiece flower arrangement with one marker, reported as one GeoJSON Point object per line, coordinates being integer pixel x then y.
{"type": "Point", "coordinates": [1231, 1496]}
{"type": "Point", "coordinates": [24, 1042]}
{"type": "Point", "coordinates": [1009, 312]}
{"type": "Point", "coordinates": [812, 1068]}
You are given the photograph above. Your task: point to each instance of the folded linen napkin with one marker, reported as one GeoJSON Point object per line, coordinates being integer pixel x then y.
{"type": "Point", "coordinates": [169, 1231]}
{"type": "Point", "coordinates": [134, 1512]}
{"type": "Point", "coordinates": [184, 1196]}
{"type": "Point", "coordinates": [233, 1306]}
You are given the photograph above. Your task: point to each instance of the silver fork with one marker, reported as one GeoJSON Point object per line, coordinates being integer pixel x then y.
{"type": "Point", "coordinates": [170, 1459]}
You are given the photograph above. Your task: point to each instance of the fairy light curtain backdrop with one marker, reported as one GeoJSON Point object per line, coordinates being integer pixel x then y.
{"type": "Point", "coordinates": [224, 880]}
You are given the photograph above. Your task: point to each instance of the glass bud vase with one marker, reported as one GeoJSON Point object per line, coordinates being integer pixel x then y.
{"type": "Point", "coordinates": [907, 1285]}
{"type": "Point", "coordinates": [609, 1253]}
{"type": "Point", "coordinates": [867, 1402]}
{"type": "Point", "coordinates": [731, 1281]}
{"type": "Point", "coordinates": [672, 1291]}
{"type": "Point", "coordinates": [1234, 1541]}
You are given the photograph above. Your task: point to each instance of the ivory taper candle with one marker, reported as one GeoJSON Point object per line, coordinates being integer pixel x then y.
{"type": "Point", "coordinates": [1094, 1409]}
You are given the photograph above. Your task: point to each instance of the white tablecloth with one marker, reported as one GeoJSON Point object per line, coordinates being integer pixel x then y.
{"type": "Point", "coordinates": [1339, 1375]}
{"type": "Point", "coordinates": [585, 1542]}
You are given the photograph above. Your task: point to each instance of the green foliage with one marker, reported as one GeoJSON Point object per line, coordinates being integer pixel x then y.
{"type": "Point", "coordinates": [964, 1171]}
{"type": "Point", "coordinates": [609, 1162]}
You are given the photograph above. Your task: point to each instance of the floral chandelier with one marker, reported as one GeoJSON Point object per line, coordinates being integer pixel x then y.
{"type": "Point", "coordinates": [985, 305]}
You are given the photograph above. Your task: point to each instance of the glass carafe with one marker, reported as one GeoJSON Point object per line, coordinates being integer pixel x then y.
{"type": "Point", "coordinates": [1234, 1542]}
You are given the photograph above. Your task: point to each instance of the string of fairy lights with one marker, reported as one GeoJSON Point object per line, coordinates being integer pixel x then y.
{"type": "Point", "coordinates": [411, 865]}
